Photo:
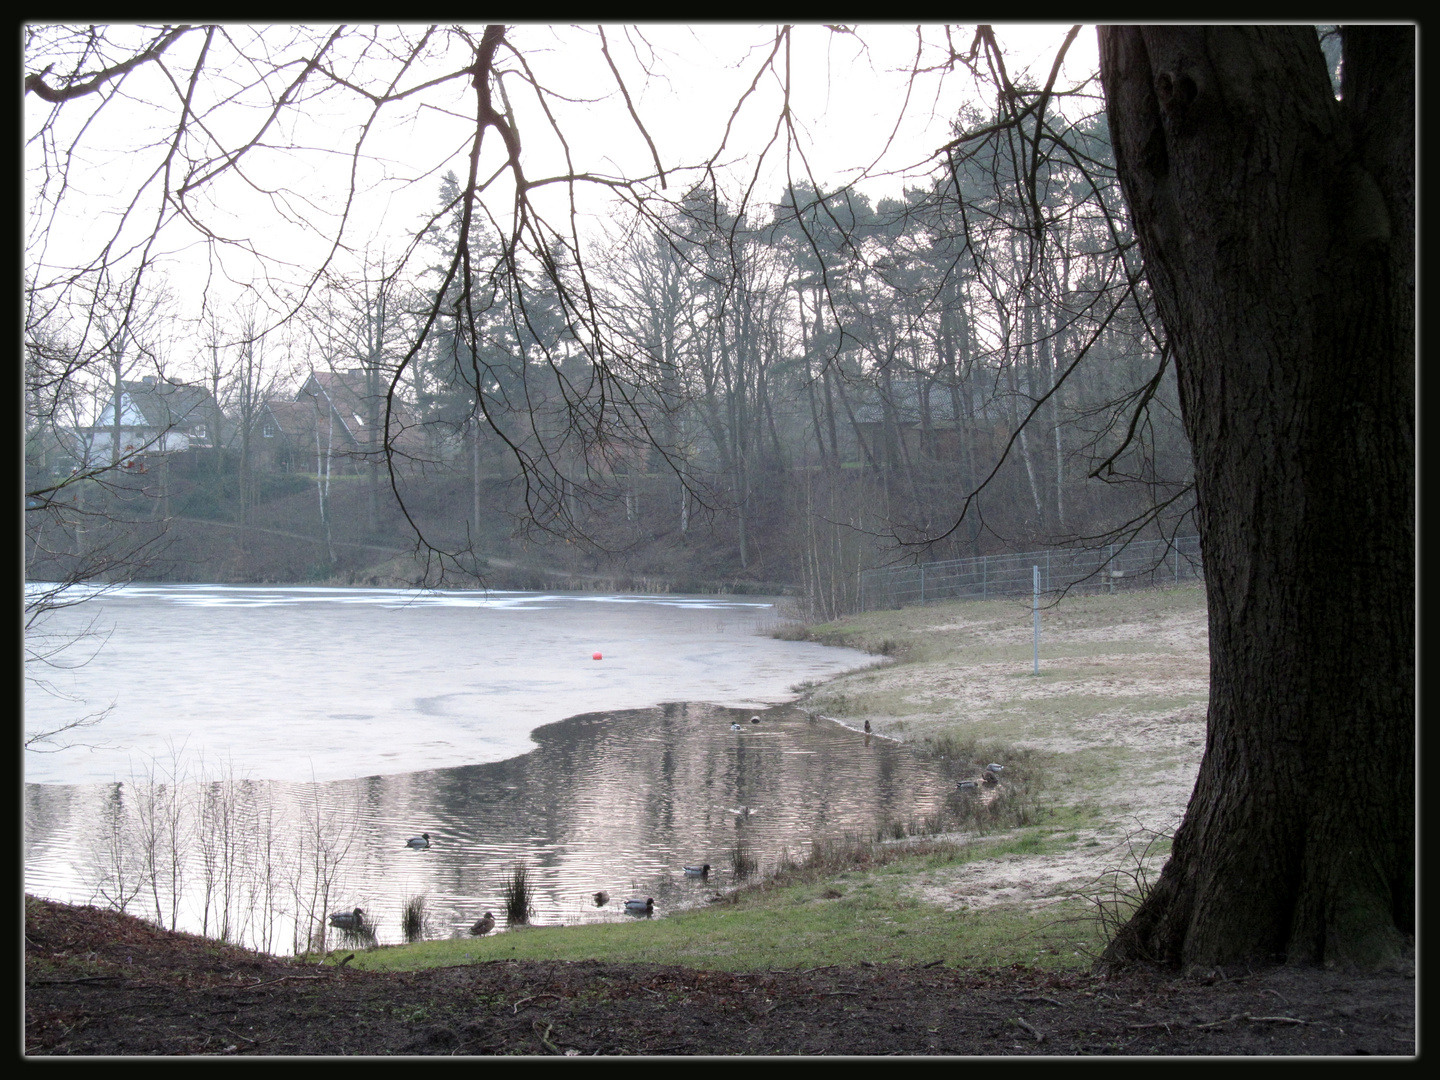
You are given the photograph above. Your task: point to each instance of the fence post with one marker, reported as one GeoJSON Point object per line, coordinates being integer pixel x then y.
{"type": "Point", "coordinates": [984, 577]}
{"type": "Point", "coordinates": [922, 583]}
{"type": "Point", "coordinates": [1037, 619]}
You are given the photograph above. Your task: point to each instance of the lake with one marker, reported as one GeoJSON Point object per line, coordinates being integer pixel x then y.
{"type": "Point", "coordinates": [268, 751]}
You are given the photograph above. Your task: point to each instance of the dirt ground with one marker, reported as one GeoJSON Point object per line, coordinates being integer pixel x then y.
{"type": "Point", "coordinates": [101, 983]}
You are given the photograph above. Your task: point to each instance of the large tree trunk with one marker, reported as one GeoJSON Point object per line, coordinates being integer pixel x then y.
{"type": "Point", "coordinates": [1277, 227]}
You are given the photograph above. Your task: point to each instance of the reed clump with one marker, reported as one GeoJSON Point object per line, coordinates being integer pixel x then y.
{"type": "Point", "coordinates": [414, 918]}
{"type": "Point", "coordinates": [742, 861]}
{"type": "Point", "coordinates": [519, 894]}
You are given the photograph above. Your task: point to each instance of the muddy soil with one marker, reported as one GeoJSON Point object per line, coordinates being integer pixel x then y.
{"type": "Point", "coordinates": [97, 982]}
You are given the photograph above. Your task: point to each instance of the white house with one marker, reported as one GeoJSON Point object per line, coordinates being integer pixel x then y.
{"type": "Point", "coordinates": [157, 416]}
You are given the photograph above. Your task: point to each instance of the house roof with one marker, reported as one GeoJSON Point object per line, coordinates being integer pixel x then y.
{"type": "Point", "coordinates": [292, 418]}
{"type": "Point", "coordinates": [161, 405]}
{"type": "Point", "coordinates": [170, 404]}
{"type": "Point", "coordinates": [349, 396]}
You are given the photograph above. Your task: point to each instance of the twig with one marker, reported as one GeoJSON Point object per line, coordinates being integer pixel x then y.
{"type": "Point", "coordinates": [1039, 1035]}
{"type": "Point", "coordinates": [1041, 997]}
{"type": "Point", "coordinates": [516, 1008]}
{"type": "Point", "coordinates": [1217, 1023]}
{"type": "Point", "coordinates": [545, 1039]}
{"type": "Point", "coordinates": [272, 982]}
{"type": "Point", "coordinates": [1256, 1019]}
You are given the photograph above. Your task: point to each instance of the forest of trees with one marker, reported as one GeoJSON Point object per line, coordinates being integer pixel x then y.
{"type": "Point", "coordinates": [807, 388]}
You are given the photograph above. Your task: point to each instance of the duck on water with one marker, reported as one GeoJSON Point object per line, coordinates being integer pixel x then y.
{"type": "Point", "coordinates": [347, 920]}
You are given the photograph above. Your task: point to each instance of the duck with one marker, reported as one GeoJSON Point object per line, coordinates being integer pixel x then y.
{"type": "Point", "coordinates": [968, 785]}
{"type": "Point", "coordinates": [698, 871]}
{"type": "Point", "coordinates": [640, 907]}
{"type": "Point", "coordinates": [867, 727]}
{"type": "Point", "coordinates": [602, 898]}
{"type": "Point", "coordinates": [484, 926]}
{"type": "Point", "coordinates": [419, 843]}
{"type": "Point", "coordinates": [735, 725]}
{"type": "Point", "coordinates": [990, 777]}
{"type": "Point", "coordinates": [347, 920]}
{"type": "Point", "coordinates": [993, 768]}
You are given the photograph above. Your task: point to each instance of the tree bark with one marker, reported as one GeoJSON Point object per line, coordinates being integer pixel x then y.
{"type": "Point", "coordinates": [1277, 227]}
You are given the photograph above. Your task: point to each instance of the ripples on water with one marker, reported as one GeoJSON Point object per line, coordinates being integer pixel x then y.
{"type": "Point", "coordinates": [618, 802]}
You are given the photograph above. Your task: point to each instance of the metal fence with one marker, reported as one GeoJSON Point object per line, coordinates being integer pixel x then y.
{"type": "Point", "coordinates": [1138, 564]}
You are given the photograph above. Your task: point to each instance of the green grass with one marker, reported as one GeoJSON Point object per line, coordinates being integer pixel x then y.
{"type": "Point", "coordinates": [842, 917]}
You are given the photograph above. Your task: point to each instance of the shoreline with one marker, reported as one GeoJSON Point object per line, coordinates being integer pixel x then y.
{"type": "Point", "coordinates": [675, 771]}
{"type": "Point", "coordinates": [1114, 725]}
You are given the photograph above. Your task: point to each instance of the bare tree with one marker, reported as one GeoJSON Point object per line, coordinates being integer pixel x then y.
{"type": "Point", "coordinates": [90, 521]}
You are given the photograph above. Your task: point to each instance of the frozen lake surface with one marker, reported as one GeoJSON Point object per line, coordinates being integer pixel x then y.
{"type": "Point", "coordinates": [287, 683]}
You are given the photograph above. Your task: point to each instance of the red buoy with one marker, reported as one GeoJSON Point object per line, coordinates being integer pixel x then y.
{"type": "Point", "coordinates": [595, 657]}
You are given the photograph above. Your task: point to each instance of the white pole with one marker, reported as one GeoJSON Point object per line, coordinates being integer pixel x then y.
{"type": "Point", "coordinates": [1037, 620]}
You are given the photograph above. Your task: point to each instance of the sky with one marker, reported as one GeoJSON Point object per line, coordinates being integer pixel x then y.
{"type": "Point", "coordinates": [851, 94]}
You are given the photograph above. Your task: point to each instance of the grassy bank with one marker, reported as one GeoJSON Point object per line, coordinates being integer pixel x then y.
{"type": "Point", "coordinates": [803, 920]}
{"type": "Point", "coordinates": [1100, 751]}
{"type": "Point", "coordinates": [1118, 704]}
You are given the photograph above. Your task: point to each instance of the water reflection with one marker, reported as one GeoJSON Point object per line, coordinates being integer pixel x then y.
{"type": "Point", "coordinates": [617, 803]}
